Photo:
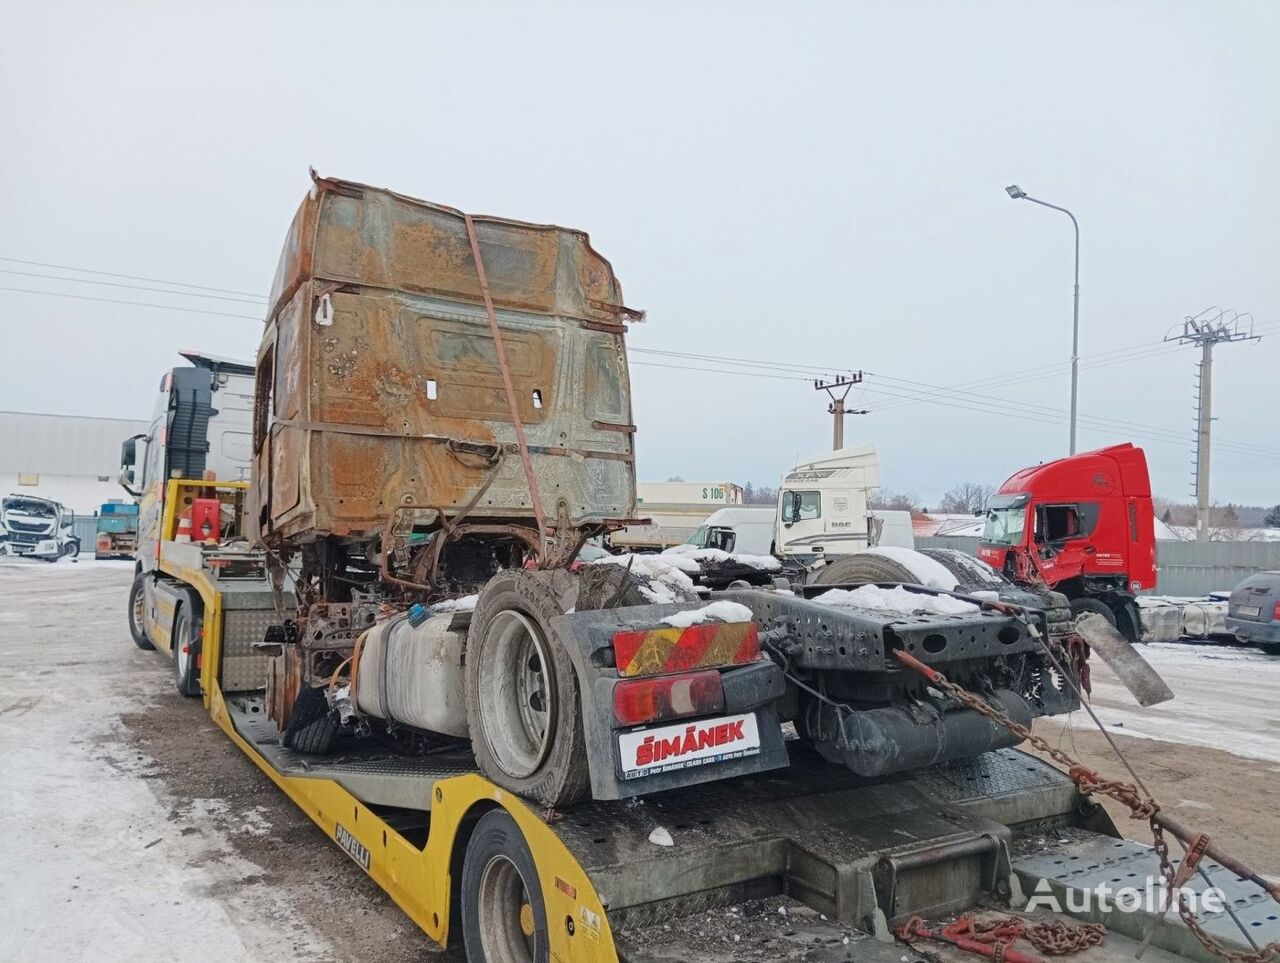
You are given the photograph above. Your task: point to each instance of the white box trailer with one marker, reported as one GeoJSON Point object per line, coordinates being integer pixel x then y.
{"type": "Point", "coordinates": [674, 510]}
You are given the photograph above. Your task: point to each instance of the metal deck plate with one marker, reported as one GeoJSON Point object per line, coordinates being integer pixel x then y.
{"type": "Point", "coordinates": [814, 825]}
{"type": "Point", "coordinates": [370, 772]}
{"type": "Point", "coordinates": [756, 931]}
{"type": "Point", "coordinates": [1076, 861]}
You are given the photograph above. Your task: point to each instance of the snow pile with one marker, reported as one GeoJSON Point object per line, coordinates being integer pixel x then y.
{"type": "Point", "coordinates": [722, 611]}
{"type": "Point", "coordinates": [924, 570]}
{"type": "Point", "coordinates": [765, 563]}
{"type": "Point", "coordinates": [466, 603]}
{"type": "Point", "coordinates": [897, 600]}
{"type": "Point", "coordinates": [662, 576]}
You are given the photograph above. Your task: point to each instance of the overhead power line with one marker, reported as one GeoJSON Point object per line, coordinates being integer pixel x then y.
{"type": "Point", "coordinates": [136, 304]}
{"type": "Point", "coordinates": [134, 287]}
{"type": "Point", "coordinates": [130, 277]}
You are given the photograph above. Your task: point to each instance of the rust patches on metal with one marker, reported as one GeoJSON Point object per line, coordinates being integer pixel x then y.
{"type": "Point", "coordinates": [385, 386]}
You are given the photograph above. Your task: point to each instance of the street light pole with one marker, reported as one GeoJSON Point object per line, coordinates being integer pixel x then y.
{"type": "Point", "coordinates": [1018, 194]}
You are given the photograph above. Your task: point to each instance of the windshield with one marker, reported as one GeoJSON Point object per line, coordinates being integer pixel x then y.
{"type": "Point", "coordinates": [1004, 525]}
{"type": "Point", "coordinates": [699, 537]}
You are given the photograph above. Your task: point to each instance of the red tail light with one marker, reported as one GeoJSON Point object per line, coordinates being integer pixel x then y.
{"type": "Point", "coordinates": [1275, 615]}
{"type": "Point", "coordinates": [654, 651]}
{"type": "Point", "coordinates": [670, 697]}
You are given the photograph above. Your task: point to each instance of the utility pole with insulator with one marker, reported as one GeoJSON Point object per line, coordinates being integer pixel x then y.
{"type": "Point", "coordinates": [1207, 329]}
{"type": "Point", "coordinates": [836, 409]}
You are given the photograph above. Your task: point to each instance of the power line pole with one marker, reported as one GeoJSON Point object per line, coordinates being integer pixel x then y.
{"type": "Point", "coordinates": [836, 409]}
{"type": "Point", "coordinates": [1207, 332]}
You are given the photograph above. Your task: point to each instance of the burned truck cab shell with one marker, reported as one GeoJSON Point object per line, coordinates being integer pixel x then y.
{"type": "Point", "coordinates": [380, 401]}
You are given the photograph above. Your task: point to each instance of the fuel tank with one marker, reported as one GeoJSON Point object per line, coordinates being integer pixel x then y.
{"type": "Point", "coordinates": [413, 675]}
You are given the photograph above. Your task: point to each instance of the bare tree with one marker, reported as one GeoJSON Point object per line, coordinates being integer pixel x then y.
{"type": "Point", "coordinates": [967, 498]}
{"type": "Point", "coordinates": [887, 500]}
{"type": "Point", "coordinates": [763, 495]}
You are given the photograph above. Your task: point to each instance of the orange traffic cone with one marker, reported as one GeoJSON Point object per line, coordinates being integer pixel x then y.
{"type": "Point", "coordinates": [184, 528]}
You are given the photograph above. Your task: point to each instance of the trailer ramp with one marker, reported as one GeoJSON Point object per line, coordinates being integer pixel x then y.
{"type": "Point", "coordinates": [813, 863]}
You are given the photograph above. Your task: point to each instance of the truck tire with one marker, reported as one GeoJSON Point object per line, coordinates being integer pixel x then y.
{"type": "Point", "coordinates": [186, 677]}
{"type": "Point", "coordinates": [1087, 605]}
{"type": "Point", "coordinates": [524, 711]}
{"type": "Point", "coordinates": [504, 917]}
{"type": "Point", "coordinates": [311, 727]}
{"type": "Point", "coordinates": [71, 549]}
{"type": "Point", "coordinates": [862, 568]}
{"type": "Point", "coordinates": [137, 613]}
{"type": "Point", "coordinates": [970, 572]}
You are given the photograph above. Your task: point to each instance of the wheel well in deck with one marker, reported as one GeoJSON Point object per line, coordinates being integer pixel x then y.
{"type": "Point", "coordinates": [461, 840]}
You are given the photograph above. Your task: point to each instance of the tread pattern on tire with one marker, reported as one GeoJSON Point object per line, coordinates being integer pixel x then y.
{"type": "Point", "coordinates": [861, 568]}
{"type": "Point", "coordinates": [564, 776]}
{"type": "Point", "coordinates": [311, 727]}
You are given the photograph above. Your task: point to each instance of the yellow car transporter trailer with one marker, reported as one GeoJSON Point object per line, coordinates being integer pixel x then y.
{"type": "Point", "coordinates": [601, 883]}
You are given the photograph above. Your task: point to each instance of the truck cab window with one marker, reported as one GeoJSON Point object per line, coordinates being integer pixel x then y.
{"type": "Point", "coordinates": [721, 538]}
{"type": "Point", "coordinates": [801, 506]}
{"type": "Point", "coordinates": [1059, 523]}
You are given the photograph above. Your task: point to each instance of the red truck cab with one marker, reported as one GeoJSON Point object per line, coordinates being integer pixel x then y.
{"type": "Point", "coordinates": [1083, 526]}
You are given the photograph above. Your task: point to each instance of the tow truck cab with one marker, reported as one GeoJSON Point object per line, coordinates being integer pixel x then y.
{"type": "Point", "coordinates": [1083, 525]}
{"type": "Point", "coordinates": [201, 423]}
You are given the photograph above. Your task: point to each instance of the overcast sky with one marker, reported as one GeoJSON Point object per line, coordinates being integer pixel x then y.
{"type": "Point", "coordinates": [807, 184]}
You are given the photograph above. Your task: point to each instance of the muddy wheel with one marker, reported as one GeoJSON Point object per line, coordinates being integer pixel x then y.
{"type": "Point", "coordinates": [138, 613]}
{"type": "Point", "coordinates": [970, 573]}
{"type": "Point", "coordinates": [504, 918]}
{"type": "Point", "coordinates": [1088, 606]}
{"type": "Point", "coordinates": [186, 644]}
{"type": "Point", "coordinates": [523, 707]}
{"type": "Point", "coordinates": [311, 727]}
{"type": "Point", "coordinates": [862, 568]}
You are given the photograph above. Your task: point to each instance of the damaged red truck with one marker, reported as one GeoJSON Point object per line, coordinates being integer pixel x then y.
{"type": "Point", "coordinates": [1083, 526]}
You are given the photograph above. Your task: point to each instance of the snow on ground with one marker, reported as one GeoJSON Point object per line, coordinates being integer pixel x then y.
{"type": "Point", "coordinates": [1224, 698]}
{"type": "Point", "coordinates": [926, 571]}
{"type": "Point", "coordinates": [96, 867]}
{"type": "Point", "coordinates": [677, 554]}
{"type": "Point", "coordinates": [64, 566]}
{"type": "Point", "coordinates": [897, 600]}
{"type": "Point", "coordinates": [722, 611]}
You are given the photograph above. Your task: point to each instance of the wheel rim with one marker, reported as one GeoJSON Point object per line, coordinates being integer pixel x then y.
{"type": "Point", "coordinates": [507, 925]}
{"type": "Point", "coordinates": [139, 612]}
{"type": "Point", "coordinates": [517, 697]}
{"type": "Point", "coordinates": [181, 648]}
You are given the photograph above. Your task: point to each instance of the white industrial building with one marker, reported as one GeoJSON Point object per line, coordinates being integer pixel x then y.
{"type": "Point", "coordinates": [70, 458]}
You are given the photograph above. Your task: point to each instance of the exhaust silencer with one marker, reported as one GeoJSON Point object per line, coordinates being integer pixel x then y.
{"type": "Point", "coordinates": [876, 742]}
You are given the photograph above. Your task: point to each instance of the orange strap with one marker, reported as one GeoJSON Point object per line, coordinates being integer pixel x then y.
{"type": "Point", "coordinates": [501, 351]}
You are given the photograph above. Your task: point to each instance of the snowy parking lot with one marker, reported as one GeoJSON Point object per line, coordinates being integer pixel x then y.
{"type": "Point", "coordinates": [1225, 697]}
{"type": "Point", "coordinates": [136, 831]}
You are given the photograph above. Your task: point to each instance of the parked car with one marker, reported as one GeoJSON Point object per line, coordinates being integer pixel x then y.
{"type": "Point", "coordinates": [1253, 611]}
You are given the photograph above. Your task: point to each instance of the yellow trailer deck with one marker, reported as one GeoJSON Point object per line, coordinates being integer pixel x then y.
{"type": "Point", "coordinates": [676, 875]}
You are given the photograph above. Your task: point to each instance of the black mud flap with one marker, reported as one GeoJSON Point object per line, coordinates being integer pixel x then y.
{"type": "Point", "coordinates": [745, 738]}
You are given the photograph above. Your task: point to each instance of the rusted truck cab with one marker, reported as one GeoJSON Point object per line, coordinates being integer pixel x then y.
{"type": "Point", "coordinates": [387, 452]}
{"type": "Point", "coordinates": [380, 400]}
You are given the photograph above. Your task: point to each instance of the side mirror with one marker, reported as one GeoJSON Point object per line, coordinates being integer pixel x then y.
{"type": "Point", "coordinates": [126, 479]}
{"type": "Point", "coordinates": [129, 451]}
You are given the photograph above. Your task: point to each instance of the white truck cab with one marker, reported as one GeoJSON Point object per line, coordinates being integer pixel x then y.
{"type": "Point", "coordinates": [822, 506]}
